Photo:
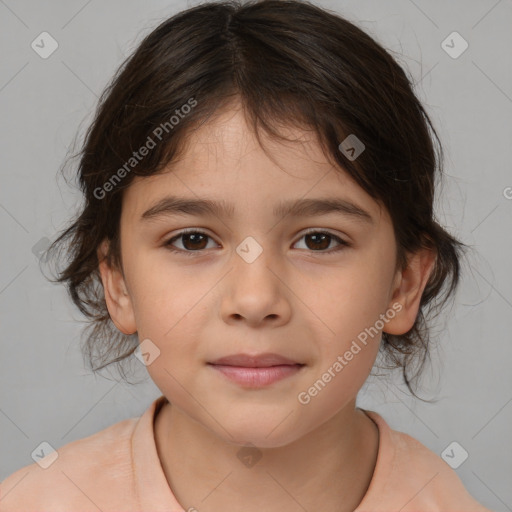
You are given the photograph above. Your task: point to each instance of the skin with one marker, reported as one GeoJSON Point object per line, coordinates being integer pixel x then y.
{"type": "Point", "coordinates": [295, 299]}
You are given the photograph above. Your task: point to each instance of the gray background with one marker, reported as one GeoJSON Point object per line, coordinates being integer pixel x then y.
{"type": "Point", "coordinates": [47, 395]}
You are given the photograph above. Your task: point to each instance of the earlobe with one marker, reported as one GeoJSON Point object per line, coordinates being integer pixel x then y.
{"type": "Point", "coordinates": [408, 289]}
{"type": "Point", "coordinates": [118, 299]}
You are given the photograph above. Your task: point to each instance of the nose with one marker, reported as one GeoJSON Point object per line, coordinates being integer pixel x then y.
{"type": "Point", "coordinates": [255, 290]}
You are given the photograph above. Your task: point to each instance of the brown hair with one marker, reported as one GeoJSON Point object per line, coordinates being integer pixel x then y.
{"type": "Point", "coordinates": [287, 61]}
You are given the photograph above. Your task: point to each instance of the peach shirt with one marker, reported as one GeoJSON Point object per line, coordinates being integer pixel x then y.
{"type": "Point", "coordinates": [118, 469]}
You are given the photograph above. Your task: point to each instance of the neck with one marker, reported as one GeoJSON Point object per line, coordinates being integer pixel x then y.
{"type": "Point", "coordinates": [332, 465]}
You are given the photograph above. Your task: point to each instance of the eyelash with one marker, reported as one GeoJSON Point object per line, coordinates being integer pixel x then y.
{"type": "Point", "coordinates": [168, 244]}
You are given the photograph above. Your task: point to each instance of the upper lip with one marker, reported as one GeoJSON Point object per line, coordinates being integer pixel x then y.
{"type": "Point", "coordinates": [254, 361]}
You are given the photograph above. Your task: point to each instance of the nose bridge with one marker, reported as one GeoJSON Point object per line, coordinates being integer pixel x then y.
{"type": "Point", "coordinates": [250, 250]}
{"type": "Point", "coordinates": [251, 229]}
{"type": "Point", "coordinates": [253, 259]}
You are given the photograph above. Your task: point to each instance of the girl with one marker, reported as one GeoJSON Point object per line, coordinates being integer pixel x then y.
{"type": "Point", "coordinates": [258, 223]}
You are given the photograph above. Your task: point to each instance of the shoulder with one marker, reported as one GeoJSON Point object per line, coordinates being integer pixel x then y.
{"type": "Point", "coordinates": [87, 474]}
{"type": "Point", "coordinates": [410, 477]}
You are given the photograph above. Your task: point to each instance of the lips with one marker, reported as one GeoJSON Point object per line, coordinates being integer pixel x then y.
{"type": "Point", "coordinates": [255, 361]}
{"type": "Point", "coordinates": [256, 371]}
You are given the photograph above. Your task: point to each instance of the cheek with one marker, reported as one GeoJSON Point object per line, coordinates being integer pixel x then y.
{"type": "Point", "coordinates": [169, 312]}
{"type": "Point", "coordinates": [163, 297]}
{"type": "Point", "coordinates": [351, 305]}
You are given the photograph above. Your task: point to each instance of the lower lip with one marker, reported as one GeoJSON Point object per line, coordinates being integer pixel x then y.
{"type": "Point", "coordinates": [257, 377]}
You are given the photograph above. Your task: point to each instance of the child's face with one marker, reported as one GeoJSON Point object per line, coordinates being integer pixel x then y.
{"type": "Point", "coordinates": [298, 298]}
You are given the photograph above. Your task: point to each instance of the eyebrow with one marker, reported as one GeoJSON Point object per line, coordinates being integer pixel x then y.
{"type": "Point", "coordinates": [173, 205]}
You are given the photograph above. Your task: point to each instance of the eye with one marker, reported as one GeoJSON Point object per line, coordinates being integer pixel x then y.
{"type": "Point", "coordinates": [319, 240]}
{"type": "Point", "coordinates": [194, 241]}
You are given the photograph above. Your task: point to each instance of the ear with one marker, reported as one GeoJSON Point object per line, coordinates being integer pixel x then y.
{"type": "Point", "coordinates": [118, 300]}
{"type": "Point", "coordinates": [408, 289]}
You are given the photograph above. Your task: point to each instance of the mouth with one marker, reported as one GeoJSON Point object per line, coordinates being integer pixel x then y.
{"type": "Point", "coordinates": [255, 361]}
{"type": "Point", "coordinates": [256, 371]}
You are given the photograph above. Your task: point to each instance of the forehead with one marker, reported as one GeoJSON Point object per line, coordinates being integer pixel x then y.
{"type": "Point", "coordinates": [227, 137]}
{"type": "Point", "coordinates": [224, 162]}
